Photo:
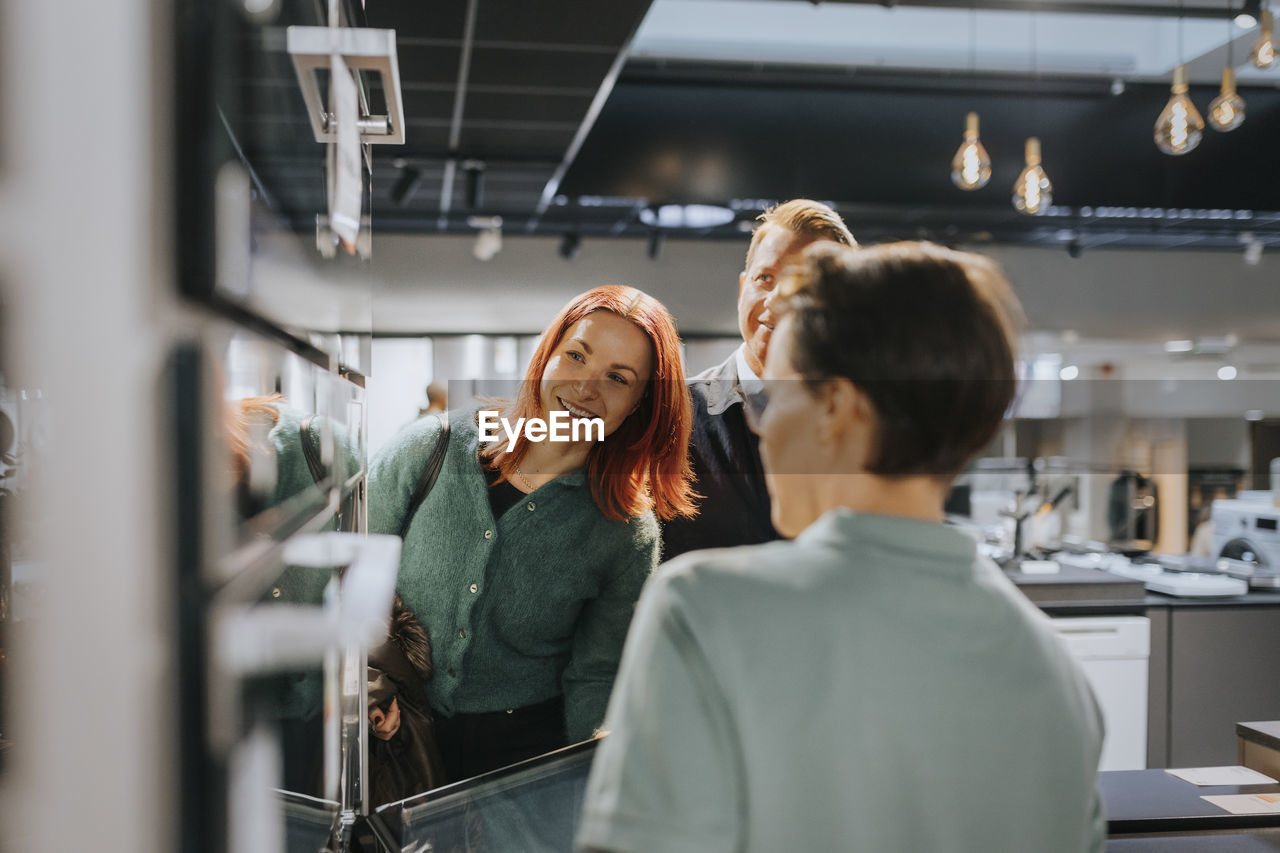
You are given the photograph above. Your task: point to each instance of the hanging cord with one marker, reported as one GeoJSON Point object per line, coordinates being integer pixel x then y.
{"type": "Point", "coordinates": [1231, 37]}
{"type": "Point", "coordinates": [1180, 32]}
{"type": "Point", "coordinates": [1035, 62]}
{"type": "Point", "coordinates": [1035, 72]}
{"type": "Point", "coordinates": [973, 42]}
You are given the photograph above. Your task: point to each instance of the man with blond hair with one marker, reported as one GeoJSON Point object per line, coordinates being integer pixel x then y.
{"type": "Point", "coordinates": [734, 509]}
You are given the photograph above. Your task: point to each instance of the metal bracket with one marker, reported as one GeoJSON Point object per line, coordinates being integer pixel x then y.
{"type": "Point", "coordinates": [363, 49]}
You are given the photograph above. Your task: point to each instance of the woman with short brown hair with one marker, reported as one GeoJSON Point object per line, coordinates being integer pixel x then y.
{"type": "Point", "coordinates": [874, 684]}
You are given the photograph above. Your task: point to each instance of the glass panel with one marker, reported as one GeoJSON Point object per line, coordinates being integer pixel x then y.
{"type": "Point", "coordinates": [532, 806]}
{"type": "Point", "coordinates": [294, 432]}
{"type": "Point", "coordinates": [309, 822]}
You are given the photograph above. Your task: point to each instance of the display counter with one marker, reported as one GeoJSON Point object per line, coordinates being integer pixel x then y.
{"type": "Point", "coordinates": [1151, 810]}
{"type": "Point", "coordinates": [534, 807]}
{"type": "Point", "coordinates": [1148, 801]}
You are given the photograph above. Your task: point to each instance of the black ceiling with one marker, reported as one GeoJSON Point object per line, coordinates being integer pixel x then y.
{"type": "Point", "coordinates": [529, 74]}
{"type": "Point", "coordinates": [876, 143]}
{"type": "Point", "coordinates": [880, 145]}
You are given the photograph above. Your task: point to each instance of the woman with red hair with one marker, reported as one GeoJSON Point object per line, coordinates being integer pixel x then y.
{"type": "Point", "coordinates": [525, 559]}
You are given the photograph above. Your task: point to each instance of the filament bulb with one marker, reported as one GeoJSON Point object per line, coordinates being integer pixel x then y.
{"type": "Point", "coordinates": [1226, 112]}
{"type": "Point", "coordinates": [971, 167]}
{"type": "Point", "coordinates": [1263, 53]}
{"type": "Point", "coordinates": [1032, 192]}
{"type": "Point", "coordinates": [1179, 127]}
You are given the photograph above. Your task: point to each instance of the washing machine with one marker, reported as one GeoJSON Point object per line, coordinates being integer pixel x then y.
{"type": "Point", "coordinates": [1246, 540]}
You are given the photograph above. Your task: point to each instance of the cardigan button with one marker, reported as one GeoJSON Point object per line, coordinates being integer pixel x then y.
{"type": "Point", "coordinates": [275, 592]}
{"type": "Point", "coordinates": [488, 534]}
{"type": "Point", "coordinates": [462, 632]}
{"type": "Point", "coordinates": [532, 506]}
{"type": "Point", "coordinates": [474, 589]}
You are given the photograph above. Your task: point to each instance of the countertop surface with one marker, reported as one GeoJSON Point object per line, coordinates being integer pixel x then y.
{"type": "Point", "coordinates": [1074, 591]}
{"type": "Point", "coordinates": [1153, 801]}
{"type": "Point", "coordinates": [1264, 733]}
{"type": "Point", "coordinates": [1152, 601]}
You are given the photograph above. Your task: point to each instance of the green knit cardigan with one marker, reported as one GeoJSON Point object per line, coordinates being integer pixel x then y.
{"type": "Point", "coordinates": [519, 609]}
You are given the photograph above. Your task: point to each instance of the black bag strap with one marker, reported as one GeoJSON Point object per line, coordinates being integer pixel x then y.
{"type": "Point", "coordinates": [311, 451]}
{"type": "Point", "coordinates": [429, 475]}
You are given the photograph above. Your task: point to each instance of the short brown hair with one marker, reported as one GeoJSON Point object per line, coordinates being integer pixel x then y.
{"type": "Point", "coordinates": [929, 334]}
{"type": "Point", "coordinates": [803, 216]}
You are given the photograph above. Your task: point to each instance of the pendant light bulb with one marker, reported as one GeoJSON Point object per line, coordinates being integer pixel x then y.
{"type": "Point", "coordinates": [1263, 53]}
{"type": "Point", "coordinates": [1032, 193]}
{"type": "Point", "coordinates": [1226, 112]}
{"type": "Point", "coordinates": [1179, 127]}
{"type": "Point", "coordinates": [971, 167]}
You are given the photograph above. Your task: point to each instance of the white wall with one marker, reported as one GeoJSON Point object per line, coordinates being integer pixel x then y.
{"type": "Point", "coordinates": [396, 387]}
{"type": "Point", "coordinates": [432, 283]}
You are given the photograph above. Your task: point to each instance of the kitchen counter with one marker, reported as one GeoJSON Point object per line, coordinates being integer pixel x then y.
{"type": "Point", "coordinates": [1093, 592]}
{"type": "Point", "coordinates": [1209, 665]}
{"type": "Point", "coordinates": [1149, 810]}
{"type": "Point", "coordinates": [1155, 600]}
{"type": "Point", "coordinates": [1142, 801]}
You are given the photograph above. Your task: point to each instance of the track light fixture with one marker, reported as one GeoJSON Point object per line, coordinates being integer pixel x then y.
{"type": "Point", "coordinates": [656, 240]}
{"type": "Point", "coordinates": [406, 184]}
{"type": "Point", "coordinates": [489, 237]}
{"type": "Point", "coordinates": [1249, 14]}
{"type": "Point", "coordinates": [473, 170]}
{"type": "Point", "coordinates": [1252, 248]}
{"type": "Point", "coordinates": [569, 245]}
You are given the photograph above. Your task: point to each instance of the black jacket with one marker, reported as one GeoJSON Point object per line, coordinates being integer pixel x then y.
{"type": "Point", "coordinates": [734, 509]}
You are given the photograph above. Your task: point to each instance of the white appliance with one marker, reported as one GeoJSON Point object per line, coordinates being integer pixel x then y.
{"type": "Point", "coordinates": [1248, 531]}
{"type": "Point", "coordinates": [1113, 651]}
{"type": "Point", "coordinates": [1197, 585]}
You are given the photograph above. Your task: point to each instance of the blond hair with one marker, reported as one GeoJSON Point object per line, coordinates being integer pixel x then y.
{"type": "Point", "coordinates": [802, 216]}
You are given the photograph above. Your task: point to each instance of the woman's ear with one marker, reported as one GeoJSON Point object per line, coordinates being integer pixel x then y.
{"type": "Point", "coordinates": [846, 420]}
{"type": "Point", "coordinates": [839, 407]}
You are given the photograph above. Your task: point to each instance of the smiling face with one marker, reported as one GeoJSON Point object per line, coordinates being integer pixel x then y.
{"type": "Point", "coordinates": [599, 369]}
{"type": "Point", "coordinates": [777, 249]}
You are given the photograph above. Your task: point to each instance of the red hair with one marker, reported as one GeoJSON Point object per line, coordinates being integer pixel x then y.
{"type": "Point", "coordinates": [239, 416]}
{"type": "Point", "coordinates": [644, 465]}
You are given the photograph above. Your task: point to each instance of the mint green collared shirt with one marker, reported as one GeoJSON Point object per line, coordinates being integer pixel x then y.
{"type": "Point", "coordinates": [872, 686]}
